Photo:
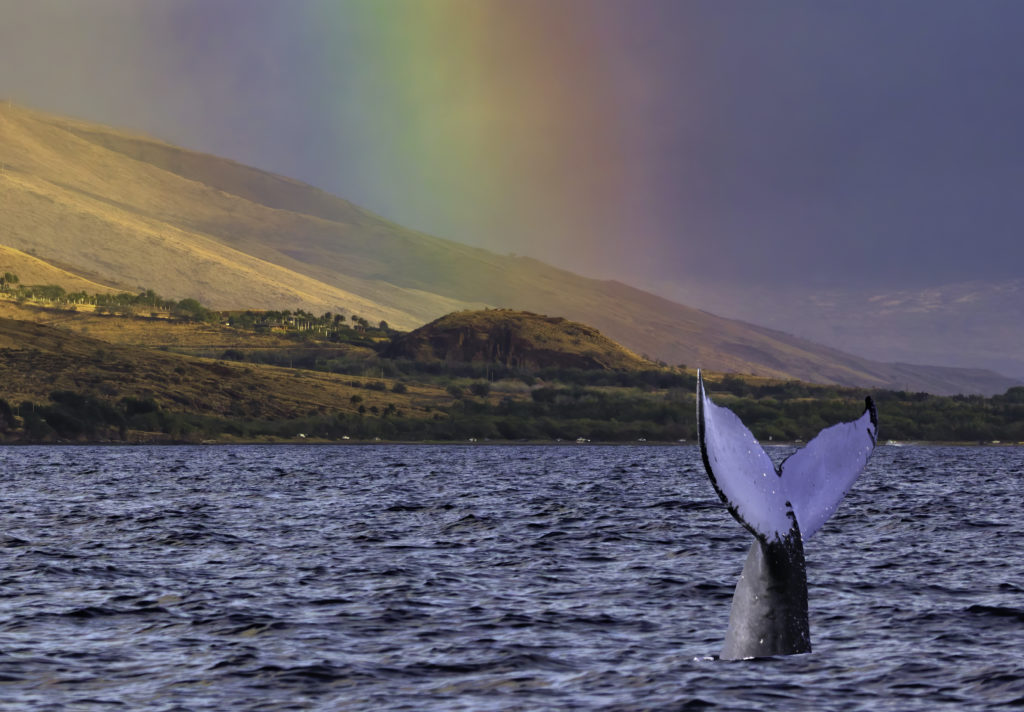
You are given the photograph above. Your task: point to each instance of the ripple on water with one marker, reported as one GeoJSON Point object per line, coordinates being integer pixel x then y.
{"type": "Point", "coordinates": [487, 578]}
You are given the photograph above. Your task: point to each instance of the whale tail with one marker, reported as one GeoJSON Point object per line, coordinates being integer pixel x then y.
{"type": "Point", "coordinates": [781, 507]}
{"type": "Point", "coordinates": [806, 488]}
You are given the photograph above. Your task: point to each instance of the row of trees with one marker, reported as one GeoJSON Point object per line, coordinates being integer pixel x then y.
{"type": "Point", "coordinates": [145, 302]}
{"type": "Point", "coordinates": [552, 412]}
{"type": "Point", "coordinates": [329, 325]}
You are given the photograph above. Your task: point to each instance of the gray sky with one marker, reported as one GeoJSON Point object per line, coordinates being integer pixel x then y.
{"type": "Point", "coordinates": [861, 144]}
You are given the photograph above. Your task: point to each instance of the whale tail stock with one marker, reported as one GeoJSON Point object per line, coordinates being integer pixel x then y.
{"type": "Point", "coordinates": [782, 507]}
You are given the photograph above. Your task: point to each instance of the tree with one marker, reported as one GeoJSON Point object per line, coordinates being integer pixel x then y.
{"type": "Point", "coordinates": [6, 416]}
{"type": "Point", "coordinates": [192, 309]}
{"type": "Point", "coordinates": [51, 292]}
{"type": "Point", "coordinates": [1015, 395]}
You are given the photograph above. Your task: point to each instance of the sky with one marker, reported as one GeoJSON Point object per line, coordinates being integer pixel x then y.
{"type": "Point", "coordinates": [839, 143]}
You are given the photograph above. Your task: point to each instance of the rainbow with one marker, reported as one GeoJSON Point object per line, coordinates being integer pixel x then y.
{"type": "Point", "coordinates": [479, 110]}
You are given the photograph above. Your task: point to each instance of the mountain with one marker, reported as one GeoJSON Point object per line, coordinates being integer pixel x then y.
{"type": "Point", "coordinates": [132, 212]}
{"type": "Point", "coordinates": [973, 322]}
{"type": "Point", "coordinates": [516, 339]}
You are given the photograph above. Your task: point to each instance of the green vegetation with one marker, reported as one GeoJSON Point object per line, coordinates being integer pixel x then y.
{"type": "Point", "coordinates": [304, 325]}
{"type": "Point", "coordinates": [298, 324]}
{"type": "Point", "coordinates": [549, 412]}
{"type": "Point", "coordinates": [145, 303]}
{"type": "Point", "coordinates": [328, 390]}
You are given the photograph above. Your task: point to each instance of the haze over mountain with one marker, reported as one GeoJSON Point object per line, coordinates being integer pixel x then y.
{"type": "Point", "coordinates": [980, 323]}
{"type": "Point", "coordinates": [132, 212]}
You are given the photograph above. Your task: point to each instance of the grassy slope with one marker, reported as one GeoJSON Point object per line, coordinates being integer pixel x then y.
{"type": "Point", "coordinates": [189, 224]}
{"type": "Point", "coordinates": [68, 201]}
{"type": "Point", "coordinates": [37, 359]}
{"type": "Point", "coordinates": [32, 270]}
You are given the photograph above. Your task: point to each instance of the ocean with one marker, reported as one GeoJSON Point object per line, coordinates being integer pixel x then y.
{"type": "Point", "coordinates": [487, 577]}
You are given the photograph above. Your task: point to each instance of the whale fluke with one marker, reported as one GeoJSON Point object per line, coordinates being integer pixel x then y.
{"type": "Point", "coordinates": [782, 508]}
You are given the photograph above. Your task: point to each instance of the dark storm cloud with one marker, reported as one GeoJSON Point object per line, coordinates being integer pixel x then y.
{"type": "Point", "coordinates": [822, 142]}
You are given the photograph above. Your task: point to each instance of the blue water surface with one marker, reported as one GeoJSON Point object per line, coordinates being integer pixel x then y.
{"type": "Point", "coordinates": [405, 577]}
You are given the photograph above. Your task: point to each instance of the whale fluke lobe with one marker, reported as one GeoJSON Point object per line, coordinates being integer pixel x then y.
{"type": "Point", "coordinates": [782, 508]}
{"type": "Point", "coordinates": [818, 475]}
{"type": "Point", "coordinates": [741, 471]}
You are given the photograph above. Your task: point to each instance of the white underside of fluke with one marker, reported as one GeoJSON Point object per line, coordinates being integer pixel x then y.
{"type": "Point", "coordinates": [803, 493]}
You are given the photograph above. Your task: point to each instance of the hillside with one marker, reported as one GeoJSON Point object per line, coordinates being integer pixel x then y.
{"type": "Point", "coordinates": [60, 385]}
{"type": "Point", "coordinates": [32, 270]}
{"type": "Point", "coordinates": [81, 206]}
{"type": "Point", "coordinates": [515, 339]}
{"type": "Point", "coordinates": [36, 360]}
{"type": "Point", "coordinates": [133, 212]}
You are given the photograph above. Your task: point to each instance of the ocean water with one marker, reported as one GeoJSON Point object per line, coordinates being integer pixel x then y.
{"type": "Point", "coordinates": [488, 578]}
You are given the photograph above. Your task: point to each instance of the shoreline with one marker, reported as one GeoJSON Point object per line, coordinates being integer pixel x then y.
{"type": "Point", "coordinates": [157, 442]}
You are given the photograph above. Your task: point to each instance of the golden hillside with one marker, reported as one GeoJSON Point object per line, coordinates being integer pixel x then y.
{"type": "Point", "coordinates": [133, 212]}
{"type": "Point", "coordinates": [77, 203]}
{"type": "Point", "coordinates": [32, 270]}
